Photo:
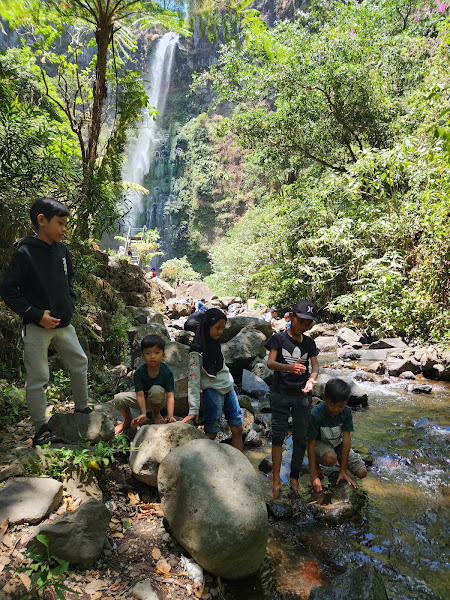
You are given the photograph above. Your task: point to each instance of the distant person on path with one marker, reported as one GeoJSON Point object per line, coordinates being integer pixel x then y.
{"type": "Point", "coordinates": [290, 396]}
{"type": "Point", "coordinates": [129, 252]}
{"type": "Point", "coordinates": [37, 285]}
{"type": "Point", "coordinates": [153, 388]}
{"type": "Point", "coordinates": [200, 303]}
{"type": "Point", "coordinates": [329, 437]}
{"type": "Point", "coordinates": [208, 372]}
{"type": "Point", "coordinates": [121, 251]}
{"type": "Point", "coordinates": [153, 271]}
{"type": "Point", "coordinates": [287, 318]}
{"type": "Point", "coordinates": [269, 317]}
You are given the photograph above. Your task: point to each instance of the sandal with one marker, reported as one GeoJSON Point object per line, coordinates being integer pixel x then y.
{"type": "Point", "coordinates": [43, 436]}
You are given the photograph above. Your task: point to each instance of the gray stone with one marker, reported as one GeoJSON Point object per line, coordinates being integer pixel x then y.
{"type": "Point", "coordinates": [235, 324]}
{"type": "Point", "coordinates": [387, 343]}
{"type": "Point", "coordinates": [245, 402]}
{"type": "Point", "coordinates": [240, 352]}
{"type": "Point", "coordinates": [177, 308]}
{"type": "Point", "coordinates": [254, 385]}
{"type": "Point", "coordinates": [266, 465]}
{"type": "Point", "coordinates": [143, 590]}
{"type": "Point", "coordinates": [77, 537]}
{"type": "Point", "coordinates": [94, 427]}
{"type": "Point", "coordinates": [29, 499]}
{"type": "Point", "coordinates": [354, 354]}
{"type": "Point", "coordinates": [184, 337]}
{"type": "Point", "coordinates": [213, 501]}
{"type": "Point", "coordinates": [326, 343]}
{"type": "Point", "coordinates": [82, 485]}
{"type": "Point", "coordinates": [407, 375]}
{"type": "Point", "coordinates": [361, 583]}
{"type": "Point", "coordinates": [434, 364]}
{"type": "Point", "coordinates": [339, 504]}
{"type": "Point", "coordinates": [395, 366]}
{"type": "Point", "coordinates": [151, 444]}
{"type": "Point", "coordinates": [262, 370]}
{"type": "Point", "coordinates": [348, 336]}
{"type": "Point", "coordinates": [419, 388]}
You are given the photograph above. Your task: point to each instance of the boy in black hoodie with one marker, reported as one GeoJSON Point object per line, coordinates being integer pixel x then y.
{"type": "Point", "coordinates": [37, 285]}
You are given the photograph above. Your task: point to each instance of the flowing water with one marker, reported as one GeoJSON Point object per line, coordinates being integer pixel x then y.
{"type": "Point", "coordinates": [404, 529]}
{"type": "Point", "coordinates": [141, 149]}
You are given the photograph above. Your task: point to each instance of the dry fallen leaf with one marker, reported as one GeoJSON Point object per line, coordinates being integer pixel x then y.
{"type": "Point", "coordinates": [3, 527]}
{"type": "Point", "coordinates": [7, 539]}
{"type": "Point", "coordinates": [96, 596]}
{"type": "Point", "coordinates": [25, 580]}
{"type": "Point", "coordinates": [156, 553]}
{"type": "Point", "coordinates": [134, 498]}
{"type": "Point", "coordinates": [117, 534]}
{"type": "Point", "coordinates": [163, 567]}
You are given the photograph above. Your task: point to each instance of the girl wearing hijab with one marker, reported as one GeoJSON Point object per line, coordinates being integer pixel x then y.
{"type": "Point", "coordinates": [208, 372]}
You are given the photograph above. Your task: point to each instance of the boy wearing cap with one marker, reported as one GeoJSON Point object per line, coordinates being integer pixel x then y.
{"type": "Point", "coordinates": [290, 353]}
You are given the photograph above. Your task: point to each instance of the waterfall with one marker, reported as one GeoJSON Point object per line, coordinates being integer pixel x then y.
{"type": "Point", "coordinates": [141, 149]}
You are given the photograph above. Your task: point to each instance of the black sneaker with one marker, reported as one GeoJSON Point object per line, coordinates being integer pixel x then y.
{"type": "Point", "coordinates": [43, 436]}
{"type": "Point", "coordinates": [83, 411]}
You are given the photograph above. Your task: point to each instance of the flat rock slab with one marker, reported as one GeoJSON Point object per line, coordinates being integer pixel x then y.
{"type": "Point", "coordinates": [29, 499]}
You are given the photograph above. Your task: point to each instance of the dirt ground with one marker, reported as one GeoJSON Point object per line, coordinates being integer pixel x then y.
{"type": "Point", "coordinates": [140, 546]}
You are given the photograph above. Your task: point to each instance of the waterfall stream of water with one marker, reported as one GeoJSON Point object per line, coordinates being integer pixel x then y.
{"type": "Point", "coordinates": [141, 149]}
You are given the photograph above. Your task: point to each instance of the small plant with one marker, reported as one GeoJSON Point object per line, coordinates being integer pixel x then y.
{"type": "Point", "coordinates": [58, 460]}
{"type": "Point", "coordinates": [45, 571]}
{"type": "Point", "coordinates": [12, 403]}
{"type": "Point", "coordinates": [60, 385]}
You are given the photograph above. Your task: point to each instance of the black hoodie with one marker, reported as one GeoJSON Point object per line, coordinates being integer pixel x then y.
{"type": "Point", "coordinates": [39, 278]}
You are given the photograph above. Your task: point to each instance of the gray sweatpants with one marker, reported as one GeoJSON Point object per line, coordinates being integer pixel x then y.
{"type": "Point", "coordinates": [36, 341]}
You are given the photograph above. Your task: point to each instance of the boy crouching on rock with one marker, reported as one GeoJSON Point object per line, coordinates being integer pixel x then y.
{"type": "Point", "coordinates": [153, 388]}
{"type": "Point", "coordinates": [329, 438]}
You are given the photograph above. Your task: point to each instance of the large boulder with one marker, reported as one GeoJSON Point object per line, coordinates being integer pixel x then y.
{"type": "Point", "coordinates": [95, 427]}
{"type": "Point", "coordinates": [397, 365]}
{"type": "Point", "coordinates": [254, 385]}
{"type": "Point", "coordinates": [326, 343]}
{"type": "Point", "coordinates": [434, 364]}
{"type": "Point", "coordinates": [77, 537]}
{"type": "Point", "coordinates": [153, 442]}
{"type": "Point", "coordinates": [348, 336]}
{"type": "Point", "coordinates": [178, 308]}
{"type": "Point", "coordinates": [235, 324]}
{"type": "Point", "coordinates": [161, 287]}
{"type": "Point", "coordinates": [29, 499]}
{"type": "Point", "coordinates": [241, 351]}
{"type": "Point", "coordinates": [196, 290]}
{"type": "Point", "coordinates": [213, 501]}
{"type": "Point", "coordinates": [145, 314]}
{"type": "Point", "coordinates": [387, 343]}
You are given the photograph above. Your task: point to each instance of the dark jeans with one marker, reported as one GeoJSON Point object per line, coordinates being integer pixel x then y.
{"type": "Point", "coordinates": [298, 405]}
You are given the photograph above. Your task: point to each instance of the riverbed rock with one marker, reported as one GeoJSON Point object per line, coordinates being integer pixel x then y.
{"type": "Point", "coordinates": [153, 442]}
{"type": "Point", "coordinates": [29, 499]}
{"type": "Point", "coordinates": [345, 335]}
{"type": "Point", "coordinates": [95, 427]}
{"type": "Point", "coordinates": [163, 288]}
{"type": "Point", "coordinates": [235, 324]}
{"type": "Point", "coordinates": [397, 365]}
{"type": "Point", "coordinates": [419, 388]}
{"type": "Point", "coordinates": [144, 314]}
{"type": "Point", "coordinates": [262, 370]}
{"type": "Point", "coordinates": [77, 537]}
{"type": "Point", "coordinates": [387, 343]}
{"type": "Point", "coordinates": [361, 583]}
{"type": "Point", "coordinates": [240, 352]}
{"type": "Point", "coordinates": [339, 504]}
{"type": "Point", "coordinates": [177, 308]}
{"type": "Point", "coordinates": [213, 501]}
{"type": "Point", "coordinates": [434, 364]}
{"type": "Point", "coordinates": [326, 343]}
{"type": "Point", "coordinates": [177, 360]}
{"type": "Point", "coordinates": [254, 385]}
{"type": "Point", "coordinates": [407, 375]}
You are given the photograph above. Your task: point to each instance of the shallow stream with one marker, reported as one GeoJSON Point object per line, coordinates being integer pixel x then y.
{"type": "Point", "coordinates": [404, 529]}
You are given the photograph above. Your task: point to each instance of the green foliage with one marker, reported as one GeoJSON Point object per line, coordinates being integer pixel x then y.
{"type": "Point", "coordinates": [46, 571]}
{"type": "Point", "coordinates": [57, 461]}
{"type": "Point", "coordinates": [116, 342]}
{"type": "Point", "coordinates": [12, 403]}
{"type": "Point", "coordinates": [344, 131]}
{"type": "Point", "coordinates": [182, 269]}
{"type": "Point", "coordinates": [169, 274]}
